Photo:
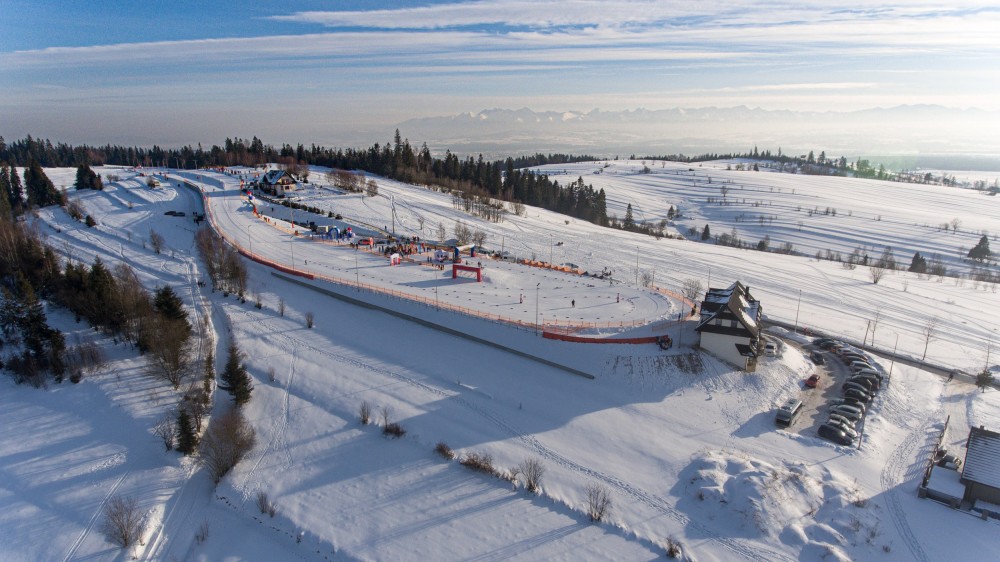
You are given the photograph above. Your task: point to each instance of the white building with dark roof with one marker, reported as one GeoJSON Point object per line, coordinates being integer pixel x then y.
{"type": "Point", "coordinates": [277, 182]}
{"type": "Point", "coordinates": [730, 325]}
{"type": "Point", "coordinates": [981, 469]}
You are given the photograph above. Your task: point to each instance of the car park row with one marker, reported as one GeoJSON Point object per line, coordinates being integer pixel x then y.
{"type": "Point", "coordinates": [864, 381]}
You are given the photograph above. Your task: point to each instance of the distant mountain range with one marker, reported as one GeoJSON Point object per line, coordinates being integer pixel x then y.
{"type": "Point", "coordinates": [906, 130]}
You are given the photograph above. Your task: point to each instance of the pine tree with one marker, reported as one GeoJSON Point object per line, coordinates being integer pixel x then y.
{"type": "Point", "coordinates": [982, 250]}
{"type": "Point", "coordinates": [706, 233]}
{"type": "Point", "coordinates": [918, 264]}
{"type": "Point", "coordinates": [16, 192]}
{"type": "Point", "coordinates": [984, 379]}
{"type": "Point", "coordinates": [187, 440]}
{"type": "Point", "coordinates": [629, 223]}
{"type": "Point", "coordinates": [167, 303]}
{"type": "Point", "coordinates": [235, 378]}
{"type": "Point", "coordinates": [41, 191]}
{"type": "Point", "coordinates": [5, 196]}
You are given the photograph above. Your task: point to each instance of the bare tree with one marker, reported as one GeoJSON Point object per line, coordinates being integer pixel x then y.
{"type": "Point", "coordinates": [691, 289]}
{"type": "Point", "coordinates": [463, 234]}
{"type": "Point", "coordinates": [598, 502]}
{"type": "Point", "coordinates": [365, 412]}
{"type": "Point", "coordinates": [166, 430]}
{"type": "Point", "coordinates": [310, 318]}
{"type": "Point", "coordinates": [478, 237]}
{"type": "Point", "coordinates": [441, 232]}
{"type": "Point", "coordinates": [371, 188]}
{"type": "Point", "coordinates": [156, 241]}
{"type": "Point", "coordinates": [532, 470]}
{"type": "Point", "coordinates": [123, 521]}
{"type": "Point", "coordinates": [884, 263]}
{"type": "Point", "coordinates": [169, 349]}
{"type": "Point", "coordinates": [955, 223]}
{"type": "Point", "coordinates": [929, 331]}
{"type": "Point", "coordinates": [229, 439]}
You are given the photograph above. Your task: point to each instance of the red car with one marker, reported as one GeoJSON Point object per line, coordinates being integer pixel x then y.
{"type": "Point", "coordinates": [812, 381]}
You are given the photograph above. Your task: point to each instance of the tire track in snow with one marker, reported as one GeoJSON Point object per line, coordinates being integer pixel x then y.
{"type": "Point", "coordinates": [93, 519]}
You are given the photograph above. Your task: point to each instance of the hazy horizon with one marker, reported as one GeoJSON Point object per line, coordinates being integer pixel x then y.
{"type": "Point", "coordinates": [175, 74]}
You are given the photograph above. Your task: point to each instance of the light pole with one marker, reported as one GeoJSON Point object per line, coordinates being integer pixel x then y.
{"type": "Point", "coordinates": [551, 243]}
{"type": "Point", "coordinates": [536, 306]}
{"type": "Point", "coordinates": [796, 330]}
{"type": "Point", "coordinates": [637, 266]}
{"type": "Point", "coordinates": [250, 240]}
{"type": "Point", "coordinates": [357, 274]}
{"type": "Point", "coordinates": [291, 245]}
{"type": "Point", "coordinates": [893, 362]}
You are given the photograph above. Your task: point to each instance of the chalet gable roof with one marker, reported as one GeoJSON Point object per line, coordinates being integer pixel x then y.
{"type": "Point", "coordinates": [732, 303]}
{"type": "Point", "coordinates": [982, 458]}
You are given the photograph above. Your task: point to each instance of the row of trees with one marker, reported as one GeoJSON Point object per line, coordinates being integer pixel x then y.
{"type": "Point", "coordinates": [501, 179]}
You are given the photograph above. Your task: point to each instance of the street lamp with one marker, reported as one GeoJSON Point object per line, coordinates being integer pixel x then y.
{"type": "Point", "coordinates": [357, 275]}
{"type": "Point", "coordinates": [291, 245]}
{"type": "Point", "coordinates": [250, 240]}
{"type": "Point", "coordinates": [551, 244]}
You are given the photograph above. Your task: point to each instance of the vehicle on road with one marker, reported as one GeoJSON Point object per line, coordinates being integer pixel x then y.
{"type": "Point", "coordinates": [770, 349]}
{"type": "Point", "coordinates": [812, 381]}
{"type": "Point", "coordinates": [817, 357]}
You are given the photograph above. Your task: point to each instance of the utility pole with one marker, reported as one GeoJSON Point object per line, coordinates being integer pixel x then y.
{"type": "Point", "coordinates": [536, 306]}
{"type": "Point", "coordinates": [392, 207]}
{"type": "Point", "coordinates": [637, 266]}
{"type": "Point", "coordinates": [796, 330]}
{"type": "Point", "coordinates": [357, 275]}
{"type": "Point", "coordinates": [893, 362]}
{"type": "Point", "coordinates": [250, 240]}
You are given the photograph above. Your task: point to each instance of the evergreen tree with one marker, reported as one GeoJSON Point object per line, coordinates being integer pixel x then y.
{"type": "Point", "coordinates": [41, 191]}
{"type": "Point", "coordinates": [16, 192]}
{"type": "Point", "coordinates": [187, 440]}
{"type": "Point", "coordinates": [918, 264]}
{"type": "Point", "coordinates": [167, 303]}
{"type": "Point", "coordinates": [629, 223]}
{"type": "Point", "coordinates": [706, 233]}
{"type": "Point", "coordinates": [984, 379]}
{"type": "Point", "coordinates": [5, 195]}
{"type": "Point", "coordinates": [235, 378]}
{"type": "Point", "coordinates": [982, 250]}
{"type": "Point", "coordinates": [87, 178]}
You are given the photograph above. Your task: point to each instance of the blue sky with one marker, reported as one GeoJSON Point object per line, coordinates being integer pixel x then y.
{"type": "Point", "coordinates": [186, 71]}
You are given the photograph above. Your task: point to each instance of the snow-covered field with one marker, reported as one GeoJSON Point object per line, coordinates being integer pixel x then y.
{"type": "Point", "coordinates": [686, 446]}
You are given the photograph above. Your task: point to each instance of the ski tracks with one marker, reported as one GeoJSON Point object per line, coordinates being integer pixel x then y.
{"type": "Point", "coordinates": [650, 500]}
{"type": "Point", "coordinates": [896, 473]}
{"type": "Point", "coordinates": [93, 518]}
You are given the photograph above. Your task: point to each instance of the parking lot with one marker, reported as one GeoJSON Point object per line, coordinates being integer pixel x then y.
{"type": "Point", "coordinates": [818, 402]}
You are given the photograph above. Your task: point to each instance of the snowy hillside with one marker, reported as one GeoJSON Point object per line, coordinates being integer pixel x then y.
{"type": "Point", "coordinates": [685, 447]}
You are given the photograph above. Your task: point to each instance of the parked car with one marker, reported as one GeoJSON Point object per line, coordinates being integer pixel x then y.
{"type": "Point", "coordinates": [834, 433]}
{"type": "Point", "coordinates": [870, 373]}
{"type": "Point", "coordinates": [859, 395]}
{"type": "Point", "coordinates": [848, 412]}
{"type": "Point", "coordinates": [817, 357]}
{"type": "Point", "coordinates": [825, 343]}
{"type": "Point", "coordinates": [844, 426]}
{"type": "Point", "coordinates": [834, 417]}
{"type": "Point", "coordinates": [770, 349]}
{"type": "Point", "coordinates": [850, 402]}
{"type": "Point", "coordinates": [812, 381]}
{"type": "Point", "coordinates": [870, 383]}
{"type": "Point", "coordinates": [853, 385]}
{"type": "Point", "coordinates": [875, 382]}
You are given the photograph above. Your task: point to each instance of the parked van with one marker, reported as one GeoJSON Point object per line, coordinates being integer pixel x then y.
{"type": "Point", "coordinates": [788, 412]}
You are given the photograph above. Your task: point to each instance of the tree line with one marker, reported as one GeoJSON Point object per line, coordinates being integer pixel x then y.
{"type": "Point", "coordinates": [506, 180]}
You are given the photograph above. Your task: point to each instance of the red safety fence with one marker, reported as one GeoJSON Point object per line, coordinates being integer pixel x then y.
{"type": "Point", "coordinates": [549, 330]}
